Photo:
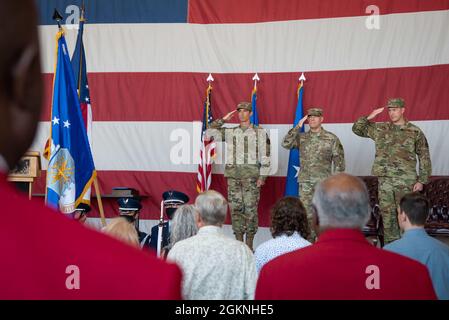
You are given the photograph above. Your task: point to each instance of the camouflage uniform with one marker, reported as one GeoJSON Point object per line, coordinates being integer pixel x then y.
{"type": "Point", "coordinates": [247, 160]}
{"type": "Point", "coordinates": [322, 155]}
{"type": "Point", "coordinates": [395, 163]}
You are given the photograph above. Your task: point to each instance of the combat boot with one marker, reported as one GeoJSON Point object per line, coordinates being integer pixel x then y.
{"type": "Point", "coordinates": [249, 241]}
{"type": "Point", "coordinates": [239, 236]}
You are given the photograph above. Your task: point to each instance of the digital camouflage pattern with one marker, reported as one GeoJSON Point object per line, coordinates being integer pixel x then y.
{"type": "Point", "coordinates": [396, 103]}
{"type": "Point", "coordinates": [322, 155]}
{"type": "Point", "coordinates": [245, 105]}
{"type": "Point", "coordinates": [315, 112]}
{"type": "Point", "coordinates": [247, 150]}
{"type": "Point", "coordinates": [247, 160]}
{"type": "Point", "coordinates": [397, 150]}
{"type": "Point", "coordinates": [243, 197]}
{"type": "Point", "coordinates": [391, 191]}
{"type": "Point", "coordinates": [306, 190]}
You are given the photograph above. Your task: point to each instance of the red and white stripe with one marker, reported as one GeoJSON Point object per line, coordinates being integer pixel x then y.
{"type": "Point", "coordinates": [207, 154]}
{"type": "Point", "coordinates": [147, 81]}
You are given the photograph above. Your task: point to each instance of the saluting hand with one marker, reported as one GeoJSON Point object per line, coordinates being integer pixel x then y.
{"type": "Point", "coordinates": [229, 115]}
{"type": "Point", "coordinates": [301, 122]}
{"type": "Point", "coordinates": [375, 112]}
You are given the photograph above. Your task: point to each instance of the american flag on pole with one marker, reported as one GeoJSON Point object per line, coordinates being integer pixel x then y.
{"type": "Point", "coordinates": [80, 71]}
{"type": "Point", "coordinates": [207, 147]}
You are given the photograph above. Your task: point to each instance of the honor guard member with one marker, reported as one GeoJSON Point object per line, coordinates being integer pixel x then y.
{"type": "Point", "coordinates": [172, 199]}
{"type": "Point", "coordinates": [129, 208]}
{"type": "Point", "coordinates": [321, 155]}
{"type": "Point", "coordinates": [247, 167]}
{"type": "Point", "coordinates": [398, 145]}
{"type": "Point", "coordinates": [80, 213]}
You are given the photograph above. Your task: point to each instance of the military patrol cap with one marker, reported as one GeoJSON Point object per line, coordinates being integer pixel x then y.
{"type": "Point", "coordinates": [129, 204]}
{"type": "Point", "coordinates": [83, 208]}
{"type": "Point", "coordinates": [316, 112]}
{"type": "Point", "coordinates": [173, 197]}
{"type": "Point", "coordinates": [396, 103]}
{"type": "Point", "coordinates": [245, 105]}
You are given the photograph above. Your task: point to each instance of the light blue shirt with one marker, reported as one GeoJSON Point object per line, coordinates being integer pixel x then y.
{"type": "Point", "coordinates": [418, 245]}
{"type": "Point", "coordinates": [280, 245]}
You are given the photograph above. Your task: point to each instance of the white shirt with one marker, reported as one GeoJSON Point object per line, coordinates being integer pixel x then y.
{"type": "Point", "coordinates": [215, 266]}
{"type": "Point", "coordinates": [280, 245]}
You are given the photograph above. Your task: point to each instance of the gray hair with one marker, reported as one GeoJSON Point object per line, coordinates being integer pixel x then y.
{"type": "Point", "coordinates": [342, 201]}
{"type": "Point", "coordinates": [183, 224]}
{"type": "Point", "coordinates": [212, 207]}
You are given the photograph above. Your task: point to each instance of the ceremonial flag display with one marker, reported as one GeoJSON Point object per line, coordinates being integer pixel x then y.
{"type": "Point", "coordinates": [82, 86]}
{"type": "Point", "coordinates": [207, 147]}
{"type": "Point", "coordinates": [146, 62]}
{"type": "Point", "coordinates": [294, 162]}
{"type": "Point", "coordinates": [71, 168]}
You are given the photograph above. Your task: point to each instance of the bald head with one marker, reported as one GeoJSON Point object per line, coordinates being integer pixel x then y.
{"type": "Point", "coordinates": [342, 182]}
{"type": "Point", "coordinates": [342, 201]}
{"type": "Point", "coordinates": [20, 79]}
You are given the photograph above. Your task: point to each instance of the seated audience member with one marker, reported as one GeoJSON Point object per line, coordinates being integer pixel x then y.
{"type": "Point", "coordinates": [418, 245]}
{"type": "Point", "coordinates": [342, 264]}
{"type": "Point", "coordinates": [80, 213]}
{"type": "Point", "coordinates": [121, 229]}
{"type": "Point", "coordinates": [289, 228]}
{"type": "Point", "coordinates": [214, 266]}
{"type": "Point", "coordinates": [129, 209]}
{"type": "Point", "coordinates": [172, 199]}
{"type": "Point", "coordinates": [183, 226]}
{"type": "Point", "coordinates": [44, 254]}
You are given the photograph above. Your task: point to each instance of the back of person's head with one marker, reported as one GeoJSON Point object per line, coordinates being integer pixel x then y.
{"type": "Point", "coordinates": [183, 224]}
{"type": "Point", "coordinates": [416, 208]}
{"type": "Point", "coordinates": [342, 201]}
{"type": "Point", "coordinates": [121, 229]}
{"type": "Point", "coordinates": [212, 207]}
{"type": "Point", "coordinates": [287, 216]}
{"type": "Point", "coordinates": [20, 78]}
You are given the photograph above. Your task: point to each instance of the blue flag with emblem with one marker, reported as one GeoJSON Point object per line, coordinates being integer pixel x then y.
{"type": "Point", "coordinates": [71, 167]}
{"type": "Point", "coordinates": [294, 163]}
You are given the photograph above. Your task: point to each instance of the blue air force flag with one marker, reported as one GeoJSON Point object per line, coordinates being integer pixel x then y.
{"type": "Point", "coordinates": [71, 167]}
{"type": "Point", "coordinates": [291, 186]}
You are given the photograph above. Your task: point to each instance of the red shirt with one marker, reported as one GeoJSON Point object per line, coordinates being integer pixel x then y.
{"type": "Point", "coordinates": [343, 265]}
{"type": "Point", "coordinates": [38, 246]}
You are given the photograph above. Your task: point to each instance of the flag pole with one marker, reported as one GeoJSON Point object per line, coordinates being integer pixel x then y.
{"type": "Point", "coordinates": [159, 231]}
{"type": "Point", "coordinates": [56, 17]}
{"type": "Point", "coordinates": [209, 80]}
{"type": "Point", "coordinates": [256, 78]}
{"type": "Point", "coordinates": [302, 78]}
{"type": "Point", "coordinates": [96, 185]}
{"type": "Point", "coordinates": [100, 203]}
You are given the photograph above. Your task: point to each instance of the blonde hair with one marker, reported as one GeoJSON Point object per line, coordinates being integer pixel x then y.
{"type": "Point", "coordinates": [123, 230]}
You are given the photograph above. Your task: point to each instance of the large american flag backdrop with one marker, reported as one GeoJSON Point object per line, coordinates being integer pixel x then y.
{"type": "Point", "coordinates": [148, 61]}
